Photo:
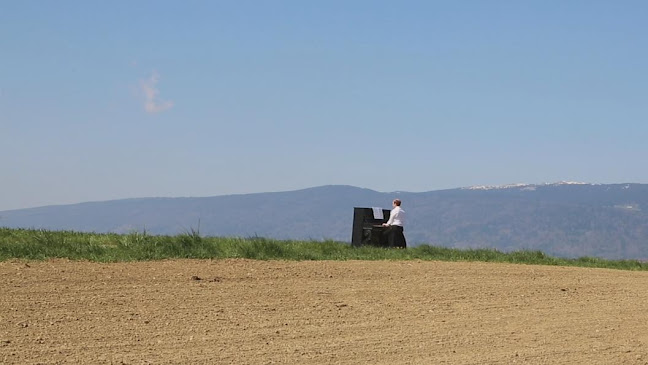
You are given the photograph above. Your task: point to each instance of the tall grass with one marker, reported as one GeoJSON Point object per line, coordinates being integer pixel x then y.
{"type": "Point", "coordinates": [34, 244]}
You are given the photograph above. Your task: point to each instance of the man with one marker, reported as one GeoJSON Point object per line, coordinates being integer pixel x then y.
{"type": "Point", "coordinates": [394, 231]}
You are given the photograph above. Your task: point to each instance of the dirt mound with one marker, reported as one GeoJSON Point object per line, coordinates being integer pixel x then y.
{"type": "Point", "coordinates": [257, 312]}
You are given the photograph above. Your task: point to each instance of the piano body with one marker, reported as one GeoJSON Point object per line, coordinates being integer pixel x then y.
{"type": "Point", "coordinates": [367, 227]}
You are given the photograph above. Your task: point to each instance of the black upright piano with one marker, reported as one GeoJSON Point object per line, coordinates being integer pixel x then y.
{"type": "Point", "coordinates": [367, 227]}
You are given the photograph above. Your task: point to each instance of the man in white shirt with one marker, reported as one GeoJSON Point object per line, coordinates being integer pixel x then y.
{"type": "Point", "coordinates": [394, 231]}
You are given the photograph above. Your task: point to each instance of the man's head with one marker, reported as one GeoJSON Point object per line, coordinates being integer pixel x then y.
{"type": "Point", "coordinates": [396, 203]}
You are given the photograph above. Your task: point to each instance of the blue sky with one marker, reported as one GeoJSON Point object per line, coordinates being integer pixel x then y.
{"type": "Point", "coordinates": [108, 100]}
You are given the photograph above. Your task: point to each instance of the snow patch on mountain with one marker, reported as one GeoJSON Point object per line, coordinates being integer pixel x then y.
{"type": "Point", "coordinates": [522, 186]}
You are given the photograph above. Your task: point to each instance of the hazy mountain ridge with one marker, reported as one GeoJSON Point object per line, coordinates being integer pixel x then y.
{"type": "Point", "coordinates": [564, 219]}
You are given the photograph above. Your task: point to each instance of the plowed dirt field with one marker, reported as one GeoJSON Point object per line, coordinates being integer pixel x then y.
{"type": "Point", "coordinates": [356, 312]}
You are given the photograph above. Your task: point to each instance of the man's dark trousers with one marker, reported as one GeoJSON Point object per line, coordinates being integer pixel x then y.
{"type": "Point", "coordinates": [395, 236]}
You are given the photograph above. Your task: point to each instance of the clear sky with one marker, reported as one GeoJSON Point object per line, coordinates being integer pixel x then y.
{"type": "Point", "coordinates": [105, 100]}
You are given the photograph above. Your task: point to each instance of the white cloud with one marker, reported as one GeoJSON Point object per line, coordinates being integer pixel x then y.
{"type": "Point", "coordinates": [151, 103]}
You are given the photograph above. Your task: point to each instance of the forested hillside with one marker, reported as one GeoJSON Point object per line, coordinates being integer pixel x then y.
{"type": "Point", "coordinates": [568, 220]}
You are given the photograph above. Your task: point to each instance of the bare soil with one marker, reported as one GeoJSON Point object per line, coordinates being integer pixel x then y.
{"type": "Point", "coordinates": [356, 312]}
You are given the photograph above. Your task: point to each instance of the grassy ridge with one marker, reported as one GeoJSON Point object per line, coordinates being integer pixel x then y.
{"type": "Point", "coordinates": [42, 244]}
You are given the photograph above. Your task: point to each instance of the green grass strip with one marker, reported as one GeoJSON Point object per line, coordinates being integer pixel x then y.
{"type": "Point", "coordinates": [36, 244]}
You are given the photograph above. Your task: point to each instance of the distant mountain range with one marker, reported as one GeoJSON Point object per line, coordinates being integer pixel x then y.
{"type": "Point", "coordinates": [563, 219]}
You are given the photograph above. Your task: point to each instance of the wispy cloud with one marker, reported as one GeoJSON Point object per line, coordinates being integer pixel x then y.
{"type": "Point", "coordinates": [151, 103]}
